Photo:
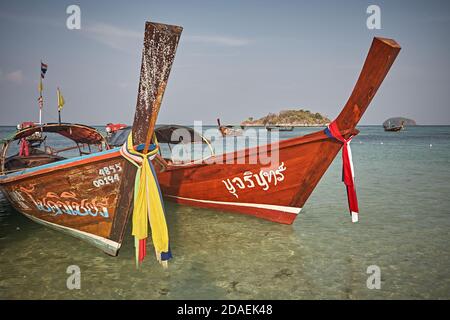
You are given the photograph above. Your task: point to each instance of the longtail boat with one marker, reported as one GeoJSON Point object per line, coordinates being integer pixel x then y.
{"type": "Point", "coordinates": [280, 128]}
{"type": "Point", "coordinates": [394, 128]}
{"type": "Point", "coordinates": [88, 196]}
{"type": "Point", "coordinates": [277, 191]}
{"type": "Point", "coordinates": [228, 130]}
{"type": "Point", "coordinates": [91, 196]}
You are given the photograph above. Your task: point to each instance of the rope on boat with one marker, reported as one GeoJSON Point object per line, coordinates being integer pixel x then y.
{"type": "Point", "coordinates": [348, 175]}
{"type": "Point", "coordinates": [148, 204]}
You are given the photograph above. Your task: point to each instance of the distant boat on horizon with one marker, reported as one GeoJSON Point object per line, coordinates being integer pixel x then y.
{"type": "Point", "coordinates": [280, 128]}
{"type": "Point", "coordinates": [228, 130]}
{"type": "Point", "coordinates": [394, 128]}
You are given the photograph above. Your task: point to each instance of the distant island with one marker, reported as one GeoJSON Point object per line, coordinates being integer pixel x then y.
{"type": "Point", "coordinates": [398, 121]}
{"type": "Point", "coordinates": [289, 118]}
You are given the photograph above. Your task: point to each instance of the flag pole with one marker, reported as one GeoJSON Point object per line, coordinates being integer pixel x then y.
{"type": "Point", "coordinates": [41, 88]}
{"type": "Point", "coordinates": [59, 107]}
{"type": "Point", "coordinates": [41, 100]}
{"type": "Point", "coordinates": [40, 111]}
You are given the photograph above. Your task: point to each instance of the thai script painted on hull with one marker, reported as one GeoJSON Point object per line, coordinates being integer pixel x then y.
{"type": "Point", "coordinates": [68, 203]}
{"type": "Point", "coordinates": [263, 179]}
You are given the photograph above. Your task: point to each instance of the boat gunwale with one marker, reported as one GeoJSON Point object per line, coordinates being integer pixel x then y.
{"type": "Point", "coordinates": [283, 144]}
{"type": "Point", "coordinates": [111, 153]}
{"type": "Point", "coordinates": [59, 165]}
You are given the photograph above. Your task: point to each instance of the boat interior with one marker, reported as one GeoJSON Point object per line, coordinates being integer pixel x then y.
{"type": "Point", "coordinates": [34, 159]}
{"type": "Point", "coordinates": [29, 147]}
{"type": "Point", "coordinates": [175, 143]}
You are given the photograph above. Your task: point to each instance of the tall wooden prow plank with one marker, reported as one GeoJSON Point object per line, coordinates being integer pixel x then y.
{"type": "Point", "coordinates": [160, 45]}
{"type": "Point", "coordinates": [379, 60]}
{"type": "Point", "coordinates": [381, 56]}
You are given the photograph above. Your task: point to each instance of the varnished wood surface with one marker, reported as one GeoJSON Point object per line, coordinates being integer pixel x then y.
{"type": "Point", "coordinates": [379, 60]}
{"type": "Point", "coordinates": [71, 197]}
{"type": "Point", "coordinates": [306, 158]}
{"type": "Point", "coordinates": [305, 161]}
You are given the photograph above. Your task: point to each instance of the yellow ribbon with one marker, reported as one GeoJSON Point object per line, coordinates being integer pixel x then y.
{"type": "Point", "coordinates": [148, 206]}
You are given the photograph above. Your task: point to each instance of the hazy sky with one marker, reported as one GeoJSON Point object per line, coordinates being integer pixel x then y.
{"type": "Point", "coordinates": [235, 59]}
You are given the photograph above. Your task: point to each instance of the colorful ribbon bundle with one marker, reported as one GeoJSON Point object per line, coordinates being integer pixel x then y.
{"type": "Point", "coordinates": [348, 175]}
{"type": "Point", "coordinates": [148, 204]}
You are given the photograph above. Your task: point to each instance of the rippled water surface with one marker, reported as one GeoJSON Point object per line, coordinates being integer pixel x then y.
{"type": "Point", "coordinates": [403, 184]}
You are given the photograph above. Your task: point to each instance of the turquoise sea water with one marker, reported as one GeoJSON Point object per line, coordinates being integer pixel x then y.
{"type": "Point", "coordinates": [403, 185]}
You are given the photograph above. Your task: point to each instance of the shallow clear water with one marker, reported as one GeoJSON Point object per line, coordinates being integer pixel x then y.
{"type": "Point", "coordinates": [403, 188]}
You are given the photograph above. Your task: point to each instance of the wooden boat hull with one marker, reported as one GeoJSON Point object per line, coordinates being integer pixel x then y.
{"type": "Point", "coordinates": [91, 196]}
{"type": "Point", "coordinates": [79, 197]}
{"type": "Point", "coordinates": [278, 192]}
{"type": "Point", "coordinates": [275, 192]}
{"type": "Point", "coordinates": [394, 129]}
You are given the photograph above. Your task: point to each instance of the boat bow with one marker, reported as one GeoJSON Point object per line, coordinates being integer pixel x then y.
{"type": "Point", "coordinates": [380, 58]}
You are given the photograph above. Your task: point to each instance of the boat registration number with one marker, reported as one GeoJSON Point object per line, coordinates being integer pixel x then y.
{"type": "Point", "coordinates": [108, 175]}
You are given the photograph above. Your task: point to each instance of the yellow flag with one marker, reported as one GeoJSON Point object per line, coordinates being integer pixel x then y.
{"type": "Point", "coordinates": [41, 87]}
{"type": "Point", "coordinates": [61, 101]}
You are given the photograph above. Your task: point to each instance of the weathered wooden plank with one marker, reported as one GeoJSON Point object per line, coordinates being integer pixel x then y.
{"type": "Point", "coordinates": [160, 45]}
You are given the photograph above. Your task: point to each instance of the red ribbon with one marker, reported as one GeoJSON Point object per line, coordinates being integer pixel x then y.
{"type": "Point", "coordinates": [142, 250]}
{"type": "Point", "coordinates": [347, 170]}
{"type": "Point", "coordinates": [24, 150]}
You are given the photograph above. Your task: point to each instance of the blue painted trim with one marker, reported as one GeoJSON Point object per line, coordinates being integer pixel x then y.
{"type": "Point", "coordinates": [58, 163]}
{"type": "Point", "coordinates": [328, 132]}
